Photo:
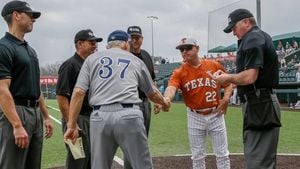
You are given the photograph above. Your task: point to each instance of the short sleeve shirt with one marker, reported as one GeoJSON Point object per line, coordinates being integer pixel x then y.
{"type": "Point", "coordinates": [199, 89]}
{"type": "Point", "coordinates": [67, 77]}
{"type": "Point", "coordinates": [256, 50]}
{"type": "Point", "coordinates": [19, 62]}
{"type": "Point", "coordinates": [113, 76]}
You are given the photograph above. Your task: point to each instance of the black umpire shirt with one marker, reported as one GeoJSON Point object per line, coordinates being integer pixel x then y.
{"type": "Point", "coordinates": [19, 62]}
{"type": "Point", "coordinates": [67, 77]}
{"type": "Point", "coordinates": [146, 58]}
{"type": "Point", "coordinates": [256, 50]}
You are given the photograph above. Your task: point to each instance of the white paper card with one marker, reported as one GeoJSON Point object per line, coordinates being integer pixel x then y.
{"type": "Point", "coordinates": [77, 148]}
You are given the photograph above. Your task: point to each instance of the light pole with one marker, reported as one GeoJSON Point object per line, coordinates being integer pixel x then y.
{"type": "Point", "coordinates": [152, 18]}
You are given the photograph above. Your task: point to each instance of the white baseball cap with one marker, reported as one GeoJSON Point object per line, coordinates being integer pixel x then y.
{"type": "Point", "coordinates": [187, 41]}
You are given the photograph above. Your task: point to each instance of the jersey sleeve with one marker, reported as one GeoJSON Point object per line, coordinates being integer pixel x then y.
{"type": "Point", "coordinates": [175, 79]}
{"type": "Point", "coordinates": [6, 62]}
{"type": "Point", "coordinates": [253, 51]}
{"type": "Point", "coordinates": [83, 80]}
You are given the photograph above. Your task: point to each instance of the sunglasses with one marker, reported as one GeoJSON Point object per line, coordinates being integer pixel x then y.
{"type": "Point", "coordinates": [186, 47]}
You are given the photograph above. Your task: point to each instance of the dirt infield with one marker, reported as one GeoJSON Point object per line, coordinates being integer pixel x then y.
{"type": "Point", "coordinates": [237, 162]}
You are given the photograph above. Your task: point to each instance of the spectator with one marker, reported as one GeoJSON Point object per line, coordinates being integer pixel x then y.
{"type": "Point", "coordinates": [163, 61]}
{"type": "Point", "coordinates": [298, 73]}
{"type": "Point", "coordinates": [280, 46]}
{"type": "Point", "coordinates": [295, 44]}
{"type": "Point", "coordinates": [297, 105]}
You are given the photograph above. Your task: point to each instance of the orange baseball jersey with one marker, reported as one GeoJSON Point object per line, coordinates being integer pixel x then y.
{"type": "Point", "coordinates": [199, 89]}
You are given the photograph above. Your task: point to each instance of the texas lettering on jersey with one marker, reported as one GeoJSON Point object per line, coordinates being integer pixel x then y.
{"type": "Point", "coordinates": [199, 89]}
{"type": "Point", "coordinates": [200, 82]}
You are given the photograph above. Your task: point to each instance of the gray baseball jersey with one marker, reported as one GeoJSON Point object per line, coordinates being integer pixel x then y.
{"type": "Point", "coordinates": [112, 76]}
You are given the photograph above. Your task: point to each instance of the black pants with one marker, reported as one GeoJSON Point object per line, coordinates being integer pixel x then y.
{"type": "Point", "coordinates": [145, 107]}
{"type": "Point", "coordinates": [82, 163]}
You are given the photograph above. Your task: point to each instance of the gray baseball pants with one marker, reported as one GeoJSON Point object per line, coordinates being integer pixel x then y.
{"type": "Point", "coordinates": [260, 148]}
{"type": "Point", "coordinates": [145, 107]}
{"type": "Point", "coordinates": [112, 126]}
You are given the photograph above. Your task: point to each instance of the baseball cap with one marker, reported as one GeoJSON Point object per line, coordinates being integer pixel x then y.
{"type": "Point", "coordinates": [187, 41]}
{"type": "Point", "coordinates": [20, 6]}
{"type": "Point", "coordinates": [134, 30]}
{"type": "Point", "coordinates": [86, 34]}
{"type": "Point", "coordinates": [236, 16]}
{"type": "Point", "coordinates": [118, 35]}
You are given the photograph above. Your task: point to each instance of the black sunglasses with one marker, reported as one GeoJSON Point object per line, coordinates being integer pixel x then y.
{"type": "Point", "coordinates": [186, 47]}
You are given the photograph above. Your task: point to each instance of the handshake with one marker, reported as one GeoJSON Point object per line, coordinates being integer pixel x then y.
{"type": "Point", "coordinates": [165, 106]}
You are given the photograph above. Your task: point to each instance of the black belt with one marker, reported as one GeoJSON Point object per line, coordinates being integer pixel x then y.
{"type": "Point", "coordinates": [124, 105]}
{"type": "Point", "coordinates": [27, 103]}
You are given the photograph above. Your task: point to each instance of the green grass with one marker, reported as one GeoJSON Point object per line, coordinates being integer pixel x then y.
{"type": "Point", "coordinates": [168, 134]}
{"type": "Point", "coordinates": [54, 151]}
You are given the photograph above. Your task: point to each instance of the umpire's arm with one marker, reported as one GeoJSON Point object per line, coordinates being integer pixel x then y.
{"type": "Point", "coordinates": [75, 107]}
{"type": "Point", "coordinates": [8, 107]}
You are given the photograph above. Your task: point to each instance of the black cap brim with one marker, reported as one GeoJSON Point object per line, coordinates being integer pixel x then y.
{"type": "Point", "coordinates": [96, 39]}
{"type": "Point", "coordinates": [136, 34]}
{"type": "Point", "coordinates": [35, 14]}
{"type": "Point", "coordinates": [228, 29]}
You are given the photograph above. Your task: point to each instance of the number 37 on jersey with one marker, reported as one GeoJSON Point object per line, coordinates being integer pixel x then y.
{"type": "Point", "coordinates": [109, 66]}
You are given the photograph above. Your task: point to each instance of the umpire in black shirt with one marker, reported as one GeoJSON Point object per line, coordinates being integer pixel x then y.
{"type": "Point", "coordinates": [135, 48]}
{"type": "Point", "coordinates": [257, 76]}
{"type": "Point", "coordinates": [85, 44]}
{"type": "Point", "coordinates": [22, 106]}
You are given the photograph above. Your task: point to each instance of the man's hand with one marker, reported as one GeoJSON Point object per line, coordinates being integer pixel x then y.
{"type": "Point", "coordinates": [157, 108]}
{"type": "Point", "coordinates": [165, 107]}
{"type": "Point", "coordinates": [21, 137]}
{"type": "Point", "coordinates": [48, 127]}
{"type": "Point", "coordinates": [221, 77]}
{"type": "Point", "coordinates": [72, 133]}
{"type": "Point", "coordinates": [167, 104]}
{"type": "Point", "coordinates": [222, 108]}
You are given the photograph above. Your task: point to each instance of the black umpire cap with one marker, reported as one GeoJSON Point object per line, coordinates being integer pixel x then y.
{"type": "Point", "coordinates": [134, 30]}
{"type": "Point", "coordinates": [236, 16]}
{"type": "Point", "coordinates": [86, 34]}
{"type": "Point", "coordinates": [19, 6]}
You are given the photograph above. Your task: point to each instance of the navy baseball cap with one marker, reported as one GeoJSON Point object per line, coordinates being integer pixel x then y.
{"type": "Point", "coordinates": [236, 16]}
{"type": "Point", "coordinates": [118, 35]}
{"type": "Point", "coordinates": [19, 6]}
{"type": "Point", "coordinates": [134, 30]}
{"type": "Point", "coordinates": [86, 34]}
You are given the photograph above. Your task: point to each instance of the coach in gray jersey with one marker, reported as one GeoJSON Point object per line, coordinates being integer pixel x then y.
{"type": "Point", "coordinates": [112, 77]}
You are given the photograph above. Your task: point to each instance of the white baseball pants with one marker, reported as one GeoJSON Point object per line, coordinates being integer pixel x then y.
{"type": "Point", "coordinates": [198, 127]}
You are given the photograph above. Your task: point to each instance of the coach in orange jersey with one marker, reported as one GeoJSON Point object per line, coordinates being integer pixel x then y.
{"type": "Point", "coordinates": [205, 109]}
